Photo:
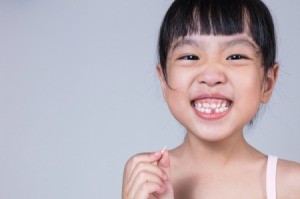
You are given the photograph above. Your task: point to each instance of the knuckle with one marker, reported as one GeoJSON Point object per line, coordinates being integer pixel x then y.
{"type": "Point", "coordinates": [128, 163]}
{"type": "Point", "coordinates": [142, 174]}
{"type": "Point", "coordinates": [131, 161]}
{"type": "Point", "coordinates": [140, 165]}
{"type": "Point", "coordinates": [127, 191]}
{"type": "Point", "coordinates": [134, 159]}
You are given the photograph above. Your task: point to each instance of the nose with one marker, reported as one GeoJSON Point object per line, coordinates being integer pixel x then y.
{"type": "Point", "coordinates": [212, 75]}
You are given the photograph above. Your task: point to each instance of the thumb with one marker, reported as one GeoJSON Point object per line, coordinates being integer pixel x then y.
{"type": "Point", "coordinates": [164, 161]}
{"type": "Point", "coordinates": [164, 164]}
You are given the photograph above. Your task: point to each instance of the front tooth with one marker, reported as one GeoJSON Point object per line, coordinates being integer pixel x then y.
{"type": "Point", "coordinates": [206, 105]}
{"type": "Point", "coordinates": [207, 110]}
{"type": "Point", "coordinates": [202, 110]}
{"type": "Point", "coordinates": [213, 106]}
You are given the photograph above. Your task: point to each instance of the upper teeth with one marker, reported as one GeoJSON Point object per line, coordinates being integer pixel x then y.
{"type": "Point", "coordinates": [207, 107]}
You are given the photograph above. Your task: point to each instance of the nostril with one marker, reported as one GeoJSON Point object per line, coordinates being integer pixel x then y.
{"type": "Point", "coordinates": [212, 79]}
{"type": "Point", "coordinates": [211, 83]}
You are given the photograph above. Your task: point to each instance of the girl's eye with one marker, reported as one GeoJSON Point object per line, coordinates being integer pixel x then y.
{"type": "Point", "coordinates": [189, 57]}
{"type": "Point", "coordinates": [236, 57]}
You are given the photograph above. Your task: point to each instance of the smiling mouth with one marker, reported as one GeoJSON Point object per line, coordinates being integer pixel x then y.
{"type": "Point", "coordinates": [212, 108]}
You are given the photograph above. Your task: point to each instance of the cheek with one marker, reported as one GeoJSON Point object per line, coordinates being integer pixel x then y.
{"type": "Point", "coordinates": [180, 78]}
{"type": "Point", "coordinates": [248, 93]}
{"type": "Point", "coordinates": [177, 95]}
{"type": "Point", "coordinates": [177, 102]}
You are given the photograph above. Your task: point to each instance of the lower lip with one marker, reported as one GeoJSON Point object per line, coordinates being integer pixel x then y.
{"type": "Point", "coordinates": [212, 116]}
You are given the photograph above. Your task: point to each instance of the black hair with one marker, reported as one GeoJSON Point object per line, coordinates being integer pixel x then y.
{"type": "Point", "coordinates": [218, 17]}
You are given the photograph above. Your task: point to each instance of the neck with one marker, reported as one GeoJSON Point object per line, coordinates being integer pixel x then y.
{"type": "Point", "coordinates": [234, 148]}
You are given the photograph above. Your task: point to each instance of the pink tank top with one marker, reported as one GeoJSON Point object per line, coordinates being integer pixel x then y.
{"type": "Point", "coordinates": [271, 177]}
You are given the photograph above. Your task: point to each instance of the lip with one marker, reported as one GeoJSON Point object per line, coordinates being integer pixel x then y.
{"type": "Point", "coordinates": [211, 116]}
{"type": "Point", "coordinates": [211, 96]}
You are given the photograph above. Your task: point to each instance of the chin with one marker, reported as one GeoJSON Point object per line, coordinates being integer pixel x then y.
{"type": "Point", "coordinates": [214, 133]}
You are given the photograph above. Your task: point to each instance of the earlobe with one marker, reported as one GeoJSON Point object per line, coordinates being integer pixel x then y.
{"type": "Point", "coordinates": [269, 83]}
{"type": "Point", "coordinates": [161, 79]}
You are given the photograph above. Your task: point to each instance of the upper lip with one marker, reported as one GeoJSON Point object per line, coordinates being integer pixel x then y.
{"type": "Point", "coordinates": [211, 96]}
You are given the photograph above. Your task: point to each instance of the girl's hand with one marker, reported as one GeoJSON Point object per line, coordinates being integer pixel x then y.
{"type": "Point", "coordinates": [146, 177]}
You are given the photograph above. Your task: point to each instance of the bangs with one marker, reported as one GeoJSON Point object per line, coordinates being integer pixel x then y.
{"type": "Point", "coordinates": [206, 18]}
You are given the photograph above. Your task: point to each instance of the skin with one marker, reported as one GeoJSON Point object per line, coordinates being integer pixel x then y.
{"type": "Point", "coordinates": [214, 153]}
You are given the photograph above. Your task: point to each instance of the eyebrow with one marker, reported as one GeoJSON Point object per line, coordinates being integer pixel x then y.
{"type": "Point", "coordinates": [189, 42]}
{"type": "Point", "coordinates": [240, 41]}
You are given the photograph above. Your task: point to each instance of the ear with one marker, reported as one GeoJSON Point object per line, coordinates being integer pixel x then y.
{"type": "Point", "coordinates": [162, 80]}
{"type": "Point", "coordinates": [269, 83]}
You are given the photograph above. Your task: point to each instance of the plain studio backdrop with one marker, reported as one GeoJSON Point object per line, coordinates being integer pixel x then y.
{"type": "Point", "coordinates": [79, 94]}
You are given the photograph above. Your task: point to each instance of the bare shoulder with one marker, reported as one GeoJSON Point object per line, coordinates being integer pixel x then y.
{"type": "Point", "coordinates": [288, 179]}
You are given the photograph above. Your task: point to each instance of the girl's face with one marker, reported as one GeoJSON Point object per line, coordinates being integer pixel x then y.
{"type": "Point", "coordinates": [215, 84]}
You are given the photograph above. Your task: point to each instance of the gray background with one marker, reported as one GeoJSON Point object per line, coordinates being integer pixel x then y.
{"type": "Point", "coordinates": [79, 94]}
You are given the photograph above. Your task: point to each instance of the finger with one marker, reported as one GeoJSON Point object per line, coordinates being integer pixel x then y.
{"type": "Point", "coordinates": [142, 166]}
{"type": "Point", "coordinates": [146, 157]}
{"type": "Point", "coordinates": [143, 178]}
{"type": "Point", "coordinates": [146, 189]}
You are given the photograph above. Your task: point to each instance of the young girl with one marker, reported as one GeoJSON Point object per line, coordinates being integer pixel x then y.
{"type": "Point", "coordinates": [217, 66]}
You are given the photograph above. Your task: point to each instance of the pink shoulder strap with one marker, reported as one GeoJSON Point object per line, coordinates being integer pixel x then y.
{"type": "Point", "coordinates": [271, 177]}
